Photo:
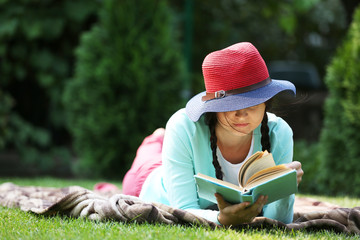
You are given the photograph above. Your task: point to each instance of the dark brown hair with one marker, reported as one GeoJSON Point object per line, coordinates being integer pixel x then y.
{"type": "Point", "coordinates": [211, 120]}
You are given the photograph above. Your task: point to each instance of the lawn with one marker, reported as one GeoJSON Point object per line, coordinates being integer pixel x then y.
{"type": "Point", "coordinates": [15, 224]}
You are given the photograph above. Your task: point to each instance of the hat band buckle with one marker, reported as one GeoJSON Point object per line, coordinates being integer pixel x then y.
{"type": "Point", "coordinates": [222, 93]}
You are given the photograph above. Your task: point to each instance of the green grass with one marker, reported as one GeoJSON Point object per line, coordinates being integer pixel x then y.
{"type": "Point", "coordinates": [16, 224]}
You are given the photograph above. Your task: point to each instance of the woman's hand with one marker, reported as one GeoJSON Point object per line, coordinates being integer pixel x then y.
{"type": "Point", "coordinates": [238, 213]}
{"type": "Point", "coordinates": [296, 166]}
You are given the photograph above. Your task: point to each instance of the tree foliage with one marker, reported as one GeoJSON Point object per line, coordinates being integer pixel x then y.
{"type": "Point", "coordinates": [340, 136]}
{"type": "Point", "coordinates": [37, 61]}
{"type": "Point", "coordinates": [36, 56]}
{"type": "Point", "coordinates": [127, 83]}
{"type": "Point", "coordinates": [294, 30]}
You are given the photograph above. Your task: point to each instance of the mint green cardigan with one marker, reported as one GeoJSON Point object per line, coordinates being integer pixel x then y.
{"type": "Point", "coordinates": [186, 152]}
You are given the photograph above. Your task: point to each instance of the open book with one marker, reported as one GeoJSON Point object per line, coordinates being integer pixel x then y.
{"type": "Point", "coordinates": [258, 175]}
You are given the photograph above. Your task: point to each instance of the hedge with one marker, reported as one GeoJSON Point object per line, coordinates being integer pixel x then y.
{"type": "Point", "coordinates": [127, 83]}
{"type": "Point", "coordinates": [340, 138]}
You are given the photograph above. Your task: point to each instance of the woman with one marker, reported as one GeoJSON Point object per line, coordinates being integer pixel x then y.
{"type": "Point", "coordinates": [213, 135]}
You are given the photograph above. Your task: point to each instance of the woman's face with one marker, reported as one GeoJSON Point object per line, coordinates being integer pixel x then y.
{"type": "Point", "coordinates": [241, 122]}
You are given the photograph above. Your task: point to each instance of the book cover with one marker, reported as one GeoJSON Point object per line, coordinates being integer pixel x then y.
{"type": "Point", "coordinates": [278, 187]}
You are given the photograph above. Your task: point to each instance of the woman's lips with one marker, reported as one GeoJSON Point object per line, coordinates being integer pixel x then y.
{"type": "Point", "coordinates": [241, 125]}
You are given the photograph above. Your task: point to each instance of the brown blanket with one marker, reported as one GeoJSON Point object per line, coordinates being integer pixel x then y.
{"type": "Point", "coordinates": [79, 202]}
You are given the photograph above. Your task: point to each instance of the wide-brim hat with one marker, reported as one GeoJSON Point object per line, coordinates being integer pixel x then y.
{"type": "Point", "coordinates": [235, 78]}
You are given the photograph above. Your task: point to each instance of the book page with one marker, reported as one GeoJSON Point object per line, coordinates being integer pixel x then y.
{"type": "Point", "coordinates": [247, 163]}
{"type": "Point", "coordinates": [267, 174]}
{"type": "Point", "coordinates": [266, 161]}
{"type": "Point", "coordinates": [265, 178]}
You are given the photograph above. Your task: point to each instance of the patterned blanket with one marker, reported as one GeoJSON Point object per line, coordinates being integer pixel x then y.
{"type": "Point", "coordinates": [79, 202]}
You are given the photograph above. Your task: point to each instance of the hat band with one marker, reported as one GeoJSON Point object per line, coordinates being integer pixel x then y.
{"type": "Point", "coordinates": [222, 93]}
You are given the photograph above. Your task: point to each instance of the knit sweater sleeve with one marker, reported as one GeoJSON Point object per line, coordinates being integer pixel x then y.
{"type": "Point", "coordinates": [186, 152]}
{"type": "Point", "coordinates": [179, 167]}
{"type": "Point", "coordinates": [281, 138]}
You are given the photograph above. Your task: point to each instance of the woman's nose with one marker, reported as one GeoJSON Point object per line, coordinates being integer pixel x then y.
{"type": "Point", "coordinates": [241, 113]}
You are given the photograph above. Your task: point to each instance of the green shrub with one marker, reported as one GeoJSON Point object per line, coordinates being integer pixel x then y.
{"type": "Point", "coordinates": [308, 154]}
{"type": "Point", "coordinates": [36, 54]}
{"type": "Point", "coordinates": [5, 107]}
{"type": "Point", "coordinates": [295, 30]}
{"type": "Point", "coordinates": [340, 136]}
{"type": "Point", "coordinates": [127, 83]}
{"type": "Point", "coordinates": [32, 143]}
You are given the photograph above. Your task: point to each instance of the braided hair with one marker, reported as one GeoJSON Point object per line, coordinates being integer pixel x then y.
{"type": "Point", "coordinates": [211, 120]}
{"type": "Point", "coordinates": [265, 138]}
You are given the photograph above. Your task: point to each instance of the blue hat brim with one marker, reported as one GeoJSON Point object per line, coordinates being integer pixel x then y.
{"type": "Point", "coordinates": [195, 107]}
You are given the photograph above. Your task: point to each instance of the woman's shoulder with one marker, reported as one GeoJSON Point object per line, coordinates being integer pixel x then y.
{"type": "Point", "coordinates": [281, 138]}
{"type": "Point", "coordinates": [180, 122]}
{"type": "Point", "coordinates": [181, 118]}
{"type": "Point", "coordinates": [179, 115]}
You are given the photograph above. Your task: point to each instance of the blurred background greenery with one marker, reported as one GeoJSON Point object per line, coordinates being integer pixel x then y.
{"type": "Point", "coordinates": [83, 82]}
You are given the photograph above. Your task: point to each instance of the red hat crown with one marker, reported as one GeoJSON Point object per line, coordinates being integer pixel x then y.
{"type": "Point", "coordinates": [234, 67]}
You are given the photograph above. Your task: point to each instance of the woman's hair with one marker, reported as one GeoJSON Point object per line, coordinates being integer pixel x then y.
{"type": "Point", "coordinates": [211, 120]}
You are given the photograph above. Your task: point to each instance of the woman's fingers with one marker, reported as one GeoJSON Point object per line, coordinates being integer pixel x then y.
{"type": "Point", "coordinates": [223, 204]}
{"type": "Point", "coordinates": [294, 165]}
{"type": "Point", "coordinates": [256, 208]}
{"type": "Point", "coordinates": [220, 201]}
{"type": "Point", "coordinates": [238, 213]}
{"type": "Point", "coordinates": [299, 172]}
{"type": "Point", "coordinates": [260, 202]}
